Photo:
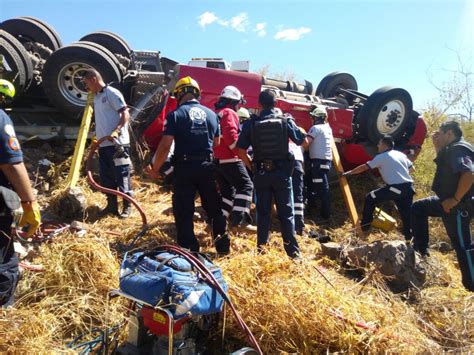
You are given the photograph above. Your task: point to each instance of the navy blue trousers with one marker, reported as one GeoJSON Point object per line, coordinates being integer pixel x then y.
{"type": "Point", "coordinates": [297, 180]}
{"type": "Point", "coordinates": [320, 185]}
{"type": "Point", "coordinates": [114, 176]}
{"type": "Point", "coordinates": [401, 194]}
{"type": "Point", "coordinates": [189, 178]}
{"type": "Point", "coordinates": [275, 184]}
{"type": "Point", "coordinates": [236, 190]}
{"type": "Point", "coordinates": [457, 224]}
{"type": "Point", "coordinates": [8, 263]}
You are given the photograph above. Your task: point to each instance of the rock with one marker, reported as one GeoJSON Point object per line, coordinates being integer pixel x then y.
{"type": "Point", "coordinates": [332, 250]}
{"type": "Point", "coordinates": [72, 204]}
{"type": "Point", "coordinates": [393, 259]}
{"type": "Point", "coordinates": [444, 247]}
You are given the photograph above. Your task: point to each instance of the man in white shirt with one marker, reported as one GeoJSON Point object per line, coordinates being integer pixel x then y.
{"type": "Point", "coordinates": [319, 140]}
{"type": "Point", "coordinates": [111, 119]}
{"type": "Point", "coordinates": [395, 168]}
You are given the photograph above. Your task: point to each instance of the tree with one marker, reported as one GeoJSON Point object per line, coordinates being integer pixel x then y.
{"type": "Point", "coordinates": [457, 93]}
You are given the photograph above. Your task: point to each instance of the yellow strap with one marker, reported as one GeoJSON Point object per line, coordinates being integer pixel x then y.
{"type": "Point", "coordinates": [75, 169]}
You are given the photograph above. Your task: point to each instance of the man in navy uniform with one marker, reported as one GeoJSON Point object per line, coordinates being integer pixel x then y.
{"type": "Point", "coordinates": [195, 131]}
{"type": "Point", "coordinates": [394, 167]}
{"type": "Point", "coordinates": [15, 188]}
{"type": "Point", "coordinates": [268, 135]}
{"type": "Point", "coordinates": [453, 186]}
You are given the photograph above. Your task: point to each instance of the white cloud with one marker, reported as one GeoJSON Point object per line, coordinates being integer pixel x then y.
{"type": "Point", "coordinates": [207, 18]}
{"type": "Point", "coordinates": [240, 22]}
{"type": "Point", "coordinates": [292, 34]}
{"type": "Point", "coordinates": [260, 29]}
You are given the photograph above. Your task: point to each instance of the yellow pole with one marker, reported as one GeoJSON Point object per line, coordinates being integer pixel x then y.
{"type": "Point", "coordinates": [346, 191]}
{"type": "Point", "coordinates": [75, 169]}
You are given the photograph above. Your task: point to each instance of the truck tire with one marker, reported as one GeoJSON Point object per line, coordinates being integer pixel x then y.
{"type": "Point", "coordinates": [387, 111]}
{"type": "Point", "coordinates": [62, 75]}
{"type": "Point", "coordinates": [112, 57]}
{"type": "Point", "coordinates": [331, 83]}
{"type": "Point", "coordinates": [28, 30]}
{"type": "Point", "coordinates": [17, 76]}
{"type": "Point", "coordinates": [113, 42]}
{"type": "Point", "coordinates": [56, 36]}
{"type": "Point", "coordinates": [24, 56]}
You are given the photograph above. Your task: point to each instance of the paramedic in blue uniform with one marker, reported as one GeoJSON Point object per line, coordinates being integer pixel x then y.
{"type": "Point", "coordinates": [111, 119]}
{"type": "Point", "coordinates": [394, 167]}
{"type": "Point", "coordinates": [195, 131]}
{"type": "Point", "coordinates": [320, 138]}
{"type": "Point", "coordinates": [15, 191]}
{"type": "Point", "coordinates": [297, 184]}
{"type": "Point", "coordinates": [453, 202]}
{"type": "Point", "coordinates": [268, 135]}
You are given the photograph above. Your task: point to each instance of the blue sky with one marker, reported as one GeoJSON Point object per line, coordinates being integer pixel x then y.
{"type": "Point", "coordinates": [379, 42]}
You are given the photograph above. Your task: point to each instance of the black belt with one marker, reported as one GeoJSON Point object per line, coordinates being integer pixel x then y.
{"type": "Point", "coordinates": [190, 157]}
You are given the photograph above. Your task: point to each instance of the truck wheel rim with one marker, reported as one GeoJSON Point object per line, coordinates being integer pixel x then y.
{"type": "Point", "coordinates": [390, 117]}
{"type": "Point", "coordinates": [70, 83]}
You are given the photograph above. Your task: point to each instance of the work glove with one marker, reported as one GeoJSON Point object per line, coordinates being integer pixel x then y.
{"type": "Point", "coordinates": [31, 218]}
{"type": "Point", "coordinates": [94, 140]}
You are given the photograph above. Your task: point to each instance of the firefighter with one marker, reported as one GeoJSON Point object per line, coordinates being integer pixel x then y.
{"type": "Point", "coordinates": [15, 191]}
{"type": "Point", "coordinates": [297, 183]}
{"type": "Point", "coordinates": [319, 140]}
{"type": "Point", "coordinates": [234, 182]}
{"type": "Point", "coordinates": [394, 167]}
{"type": "Point", "coordinates": [195, 131]}
{"type": "Point", "coordinates": [453, 186]}
{"type": "Point", "coordinates": [272, 163]}
{"type": "Point", "coordinates": [111, 119]}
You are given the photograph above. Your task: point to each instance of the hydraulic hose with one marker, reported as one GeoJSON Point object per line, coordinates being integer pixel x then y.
{"type": "Point", "coordinates": [100, 188]}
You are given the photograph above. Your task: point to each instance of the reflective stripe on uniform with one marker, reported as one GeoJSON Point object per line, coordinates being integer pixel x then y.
{"type": "Point", "coordinates": [231, 160]}
{"type": "Point", "coordinates": [394, 189]}
{"type": "Point", "coordinates": [317, 180]}
{"type": "Point", "coordinates": [122, 161]}
{"type": "Point", "coordinates": [299, 213]}
{"type": "Point", "coordinates": [241, 209]}
{"type": "Point", "coordinates": [372, 193]}
{"type": "Point", "coordinates": [227, 202]}
{"type": "Point", "coordinates": [324, 166]}
{"type": "Point", "coordinates": [243, 197]}
{"type": "Point", "coordinates": [298, 205]}
{"type": "Point", "coordinates": [224, 212]}
{"type": "Point", "coordinates": [169, 171]}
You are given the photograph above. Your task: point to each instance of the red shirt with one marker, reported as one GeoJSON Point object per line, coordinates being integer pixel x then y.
{"type": "Point", "coordinates": [229, 121]}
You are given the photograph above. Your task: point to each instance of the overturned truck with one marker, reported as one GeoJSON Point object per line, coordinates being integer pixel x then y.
{"type": "Point", "coordinates": [51, 95]}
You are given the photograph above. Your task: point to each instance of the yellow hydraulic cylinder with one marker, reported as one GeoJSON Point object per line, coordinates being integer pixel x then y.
{"type": "Point", "coordinates": [382, 220]}
{"type": "Point", "coordinates": [75, 169]}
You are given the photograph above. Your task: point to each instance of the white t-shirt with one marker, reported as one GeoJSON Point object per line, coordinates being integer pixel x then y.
{"type": "Point", "coordinates": [297, 150]}
{"type": "Point", "coordinates": [107, 104]}
{"type": "Point", "coordinates": [393, 166]}
{"type": "Point", "coordinates": [320, 147]}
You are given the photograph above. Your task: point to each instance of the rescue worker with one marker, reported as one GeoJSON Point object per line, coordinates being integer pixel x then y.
{"type": "Point", "coordinates": [453, 202]}
{"type": "Point", "coordinates": [319, 140]}
{"type": "Point", "coordinates": [297, 184]}
{"type": "Point", "coordinates": [111, 119]}
{"type": "Point", "coordinates": [234, 182]}
{"type": "Point", "coordinates": [15, 191]}
{"type": "Point", "coordinates": [244, 115]}
{"type": "Point", "coordinates": [394, 167]}
{"type": "Point", "coordinates": [195, 131]}
{"type": "Point", "coordinates": [268, 135]}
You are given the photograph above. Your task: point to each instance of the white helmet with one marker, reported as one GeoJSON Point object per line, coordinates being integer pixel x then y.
{"type": "Point", "coordinates": [231, 92]}
{"type": "Point", "coordinates": [243, 113]}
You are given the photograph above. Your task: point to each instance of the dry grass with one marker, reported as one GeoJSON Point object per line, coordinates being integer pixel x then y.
{"type": "Point", "coordinates": [307, 307]}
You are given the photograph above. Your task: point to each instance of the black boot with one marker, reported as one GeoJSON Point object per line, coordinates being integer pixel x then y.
{"type": "Point", "coordinates": [111, 208]}
{"type": "Point", "coordinates": [127, 209]}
